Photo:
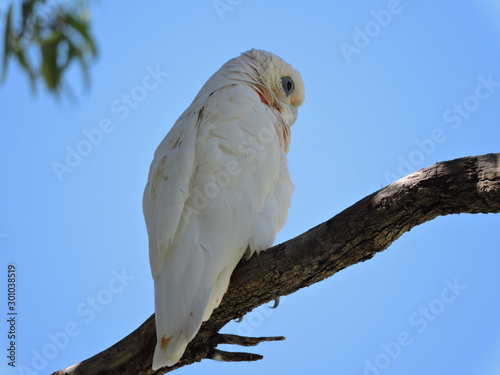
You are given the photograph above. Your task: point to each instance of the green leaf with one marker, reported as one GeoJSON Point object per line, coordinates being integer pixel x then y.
{"type": "Point", "coordinates": [7, 44]}
{"type": "Point", "coordinates": [82, 28]}
{"type": "Point", "coordinates": [25, 64]}
{"type": "Point", "coordinates": [27, 11]}
{"type": "Point", "coordinates": [54, 44]}
{"type": "Point", "coordinates": [50, 70]}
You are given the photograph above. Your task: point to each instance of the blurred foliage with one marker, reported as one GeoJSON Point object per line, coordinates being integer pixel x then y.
{"type": "Point", "coordinates": [44, 37]}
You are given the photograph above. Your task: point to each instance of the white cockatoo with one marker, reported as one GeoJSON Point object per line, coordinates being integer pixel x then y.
{"type": "Point", "coordinates": [218, 188]}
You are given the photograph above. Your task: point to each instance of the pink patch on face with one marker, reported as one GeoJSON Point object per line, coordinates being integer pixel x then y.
{"type": "Point", "coordinates": [262, 98]}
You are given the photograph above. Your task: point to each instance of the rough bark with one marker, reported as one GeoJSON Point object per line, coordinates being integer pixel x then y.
{"type": "Point", "coordinates": [466, 185]}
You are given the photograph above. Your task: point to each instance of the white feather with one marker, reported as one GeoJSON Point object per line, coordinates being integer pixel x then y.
{"type": "Point", "coordinates": [218, 187]}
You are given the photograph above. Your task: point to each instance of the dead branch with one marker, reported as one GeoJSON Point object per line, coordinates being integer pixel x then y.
{"type": "Point", "coordinates": [466, 185]}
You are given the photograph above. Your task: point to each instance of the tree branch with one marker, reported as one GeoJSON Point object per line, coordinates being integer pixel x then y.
{"type": "Point", "coordinates": [466, 185]}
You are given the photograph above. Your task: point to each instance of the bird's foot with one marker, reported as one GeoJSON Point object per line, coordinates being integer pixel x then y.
{"type": "Point", "coordinates": [222, 338]}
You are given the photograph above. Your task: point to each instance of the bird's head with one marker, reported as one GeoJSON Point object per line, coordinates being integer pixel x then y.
{"type": "Point", "coordinates": [279, 85]}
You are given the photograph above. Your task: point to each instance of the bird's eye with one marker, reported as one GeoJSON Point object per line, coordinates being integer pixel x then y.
{"type": "Point", "coordinates": [287, 85]}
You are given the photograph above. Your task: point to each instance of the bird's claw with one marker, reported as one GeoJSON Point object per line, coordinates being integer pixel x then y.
{"type": "Point", "coordinates": [276, 303]}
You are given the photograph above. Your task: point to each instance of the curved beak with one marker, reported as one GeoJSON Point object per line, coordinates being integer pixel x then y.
{"type": "Point", "coordinates": [294, 112]}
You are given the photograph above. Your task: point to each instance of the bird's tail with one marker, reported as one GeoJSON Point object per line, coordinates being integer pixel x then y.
{"type": "Point", "coordinates": [179, 313]}
{"type": "Point", "coordinates": [168, 352]}
{"type": "Point", "coordinates": [171, 346]}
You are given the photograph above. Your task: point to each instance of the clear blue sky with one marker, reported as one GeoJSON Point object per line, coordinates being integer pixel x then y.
{"type": "Point", "coordinates": [391, 87]}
